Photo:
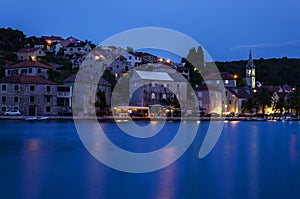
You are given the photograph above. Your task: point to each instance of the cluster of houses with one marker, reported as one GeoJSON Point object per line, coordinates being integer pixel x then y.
{"type": "Point", "coordinates": [26, 86]}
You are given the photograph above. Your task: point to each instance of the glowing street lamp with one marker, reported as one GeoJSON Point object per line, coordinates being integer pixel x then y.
{"type": "Point", "coordinates": [235, 76]}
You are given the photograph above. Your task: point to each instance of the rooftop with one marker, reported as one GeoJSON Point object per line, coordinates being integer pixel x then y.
{"type": "Point", "coordinates": [30, 64]}
{"type": "Point", "coordinates": [28, 50]}
{"type": "Point", "coordinates": [161, 76]}
{"type": "Point", "coordinates": [19, 79]}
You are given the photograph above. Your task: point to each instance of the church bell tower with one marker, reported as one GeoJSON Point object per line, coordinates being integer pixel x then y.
{"type": "Point", "coordinates": [250, 72]}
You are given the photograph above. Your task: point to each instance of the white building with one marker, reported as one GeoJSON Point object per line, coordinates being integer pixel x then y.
{"type": "Point", "coordinates": [30, 54]}
{"type": "Point", "coordinates": [28, 68]}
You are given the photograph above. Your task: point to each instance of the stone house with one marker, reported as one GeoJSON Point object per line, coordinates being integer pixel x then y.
{"type": "Point", "coordinates": [31, 95]}
{"type": "Point", "coordinates": [152, 87]}
{"type": "Point", "coordinates": [210, 99]}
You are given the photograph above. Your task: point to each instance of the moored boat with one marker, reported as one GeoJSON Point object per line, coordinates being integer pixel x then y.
{"type": "Point", "coordinates": [43, 118]}
{"type": "Point", "coordinates": [31, 118]}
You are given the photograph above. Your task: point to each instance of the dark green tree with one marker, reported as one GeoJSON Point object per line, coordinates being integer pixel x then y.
{"type": "Point", "coordinates": [263, 98]}
{"type": "Point", "coordinates": [249, 105]}
{"type": "Point", "coordinates": [295, 101]}
{"type": "Point", "coordinates": [280, 105]}
{"type": "Point", "coordinates": [11, 40]}
{"type": "Point", "coordinates": [101, 100]}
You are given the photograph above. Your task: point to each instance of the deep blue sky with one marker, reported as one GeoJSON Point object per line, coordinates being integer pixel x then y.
{"type": "Point", "coordinates": [227, 29]}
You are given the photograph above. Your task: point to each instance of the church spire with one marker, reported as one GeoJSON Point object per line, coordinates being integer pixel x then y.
{"type": "Point", "coordinates": [250, 63]}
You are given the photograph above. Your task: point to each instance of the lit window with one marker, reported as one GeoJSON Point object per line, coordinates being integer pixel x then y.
{"type": "Point", "coordinates": [226, 81]}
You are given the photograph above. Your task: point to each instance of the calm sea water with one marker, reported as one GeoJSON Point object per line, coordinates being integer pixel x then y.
{"type": "Point", "coordinates": [250, 160]}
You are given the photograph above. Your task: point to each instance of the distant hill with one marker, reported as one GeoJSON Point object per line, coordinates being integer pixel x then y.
{"type": "Point", "coordinates": [268, 71]}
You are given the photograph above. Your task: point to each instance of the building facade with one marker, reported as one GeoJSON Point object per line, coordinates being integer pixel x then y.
{"type": "Point", "coordinates": [30, 54]}
{"type": "Point", "coordinates": [250, 72]}
{"type": "Point", "coordinates": [31, 95]}
{"type": "Point", "coordinates": [28, 68]}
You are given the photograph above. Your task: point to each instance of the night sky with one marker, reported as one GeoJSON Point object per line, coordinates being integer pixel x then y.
{"type": "Point", "coordinates": [227, 29]}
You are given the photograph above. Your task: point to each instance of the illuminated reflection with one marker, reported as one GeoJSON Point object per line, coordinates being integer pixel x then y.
{"type": "Point", "coordinates": [32, 172]}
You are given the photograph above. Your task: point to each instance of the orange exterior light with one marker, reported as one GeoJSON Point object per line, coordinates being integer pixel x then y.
{"type": "Point", "coordinates": [161, 60]}
{"type": "Point", "coordinates": [168, 61]}
{"type": "Point", "coordinates": [235, 76]}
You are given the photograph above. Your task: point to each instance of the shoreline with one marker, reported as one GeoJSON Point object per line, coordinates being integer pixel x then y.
{"type": "Point", "coordinates": [126, 119]}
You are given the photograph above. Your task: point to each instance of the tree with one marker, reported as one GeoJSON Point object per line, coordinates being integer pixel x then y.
{"type": "Point", "coordinates": [195, 64]}
{"type": "Point", "coordinates": [249, 105]}
{"type": "Point", "coordinates": [11, 40]}
{"type": "Point", "coordinates": [295, 101]}
{"type": "Point", "coordinates": [280, 105]}
{"type": "Point", "coordinates": [264, 98]}
{"type": "Point", "coordinates": [110, 78]}
{"type": "Point", "coordinates": [101, 100]}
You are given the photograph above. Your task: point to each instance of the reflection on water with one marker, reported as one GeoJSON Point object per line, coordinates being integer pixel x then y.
{"type": "Point", "coordinates": [32, 168]}
{"type": "Point", "coordinates": [251, 160]}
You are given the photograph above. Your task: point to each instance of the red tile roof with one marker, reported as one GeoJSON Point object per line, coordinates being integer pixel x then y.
{"type": "Point", "coordinates": [18, 79]}
{"type": "Point", "coordinates": [28, 50]}
{"type": "Point", "coordinates": [30, 64]}
{"type": "Point", "coordinates": [53, 38]}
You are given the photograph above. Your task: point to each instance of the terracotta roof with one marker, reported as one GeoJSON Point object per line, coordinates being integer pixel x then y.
{"type": "Point", "coordinates": [53, 38]}
{"type": "Point", "coordinates": [218, 76]}
{"type": "Point", "coordinates": [19, 79]}
{"type": "Point", "coordinates": [69, 40]}
{"type": "Point", "coordinates": [28, 50]}
{"type": "Point", "coordinates": [30, 64]}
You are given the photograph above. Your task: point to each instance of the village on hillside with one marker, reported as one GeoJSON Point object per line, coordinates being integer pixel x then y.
{"type": "Point", "coordinates": [38, 80]}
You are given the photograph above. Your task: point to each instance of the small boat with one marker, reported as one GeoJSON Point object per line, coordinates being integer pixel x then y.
{"type": "Point", "coordinates": [31, 118]}
{"type": "Point", "coordinates": [43, 118]}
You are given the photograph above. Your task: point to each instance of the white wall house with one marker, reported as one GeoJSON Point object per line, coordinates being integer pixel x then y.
{"type": "Point", "coordinates": [30, 54]}
{"type": "Point", "coordinates": [28, 68]}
